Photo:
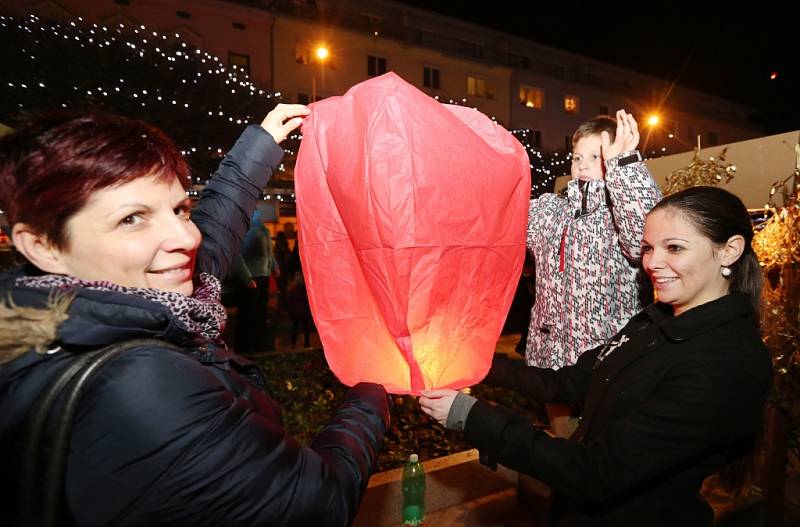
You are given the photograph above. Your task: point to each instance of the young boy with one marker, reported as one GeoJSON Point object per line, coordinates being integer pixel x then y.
{"type": "Point", "coordinates": [586, 246]}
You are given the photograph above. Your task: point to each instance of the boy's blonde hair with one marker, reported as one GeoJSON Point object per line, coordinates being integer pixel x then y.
{"type": "Point", "coordinates": [601, 123]}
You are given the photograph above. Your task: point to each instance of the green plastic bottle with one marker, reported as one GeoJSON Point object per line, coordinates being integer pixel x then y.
{"type": "Point", "coordinates": [413, 492]}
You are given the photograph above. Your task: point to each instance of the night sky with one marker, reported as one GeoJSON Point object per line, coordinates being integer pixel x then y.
{"type": "Point", "coordinates": [724, 52]}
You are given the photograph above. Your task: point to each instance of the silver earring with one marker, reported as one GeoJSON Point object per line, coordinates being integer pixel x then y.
{"type": "Point", "coordinates": [726, 271]}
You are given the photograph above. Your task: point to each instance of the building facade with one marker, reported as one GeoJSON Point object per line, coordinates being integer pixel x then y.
{"type": "Point", "coordinates": [518, 82]}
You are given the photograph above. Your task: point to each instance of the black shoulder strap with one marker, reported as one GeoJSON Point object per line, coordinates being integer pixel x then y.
{"type": "Point", "coordinates": [41, 492]}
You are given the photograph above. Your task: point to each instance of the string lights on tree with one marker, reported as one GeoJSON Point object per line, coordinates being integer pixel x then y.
{"type": "Point", "coordinates": [192, 95]}
{"type": "Point", "coordinates": [201, 103]}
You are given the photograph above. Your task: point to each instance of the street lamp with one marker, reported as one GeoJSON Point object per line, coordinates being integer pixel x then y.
{"type": "Point", "coordinates": [321, 55]}
{"type": "Point", "coordinates": [652, 121]}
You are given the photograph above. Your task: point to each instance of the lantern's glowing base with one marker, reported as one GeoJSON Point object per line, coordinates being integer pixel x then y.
{"type": "Point", "coordinates": [448, 359]}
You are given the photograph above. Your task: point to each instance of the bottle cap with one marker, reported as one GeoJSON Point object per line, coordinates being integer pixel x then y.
{"type": "Point", "coordinates": [413, 458]}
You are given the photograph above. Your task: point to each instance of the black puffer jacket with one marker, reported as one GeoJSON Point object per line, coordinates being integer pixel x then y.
{"type": "Point", "coordinates": [187, 438]}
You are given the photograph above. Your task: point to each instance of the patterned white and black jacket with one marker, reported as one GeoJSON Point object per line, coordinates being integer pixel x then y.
{"type": "Point", "coordinates": [587, 259]}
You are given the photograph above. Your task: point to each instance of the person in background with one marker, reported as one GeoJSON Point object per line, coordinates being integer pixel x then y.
{"type": "Point", "coordinates": [252, 270]}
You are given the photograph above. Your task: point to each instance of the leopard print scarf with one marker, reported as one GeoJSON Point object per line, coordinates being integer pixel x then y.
{"type": "Point", "coordinates": [202, 313]}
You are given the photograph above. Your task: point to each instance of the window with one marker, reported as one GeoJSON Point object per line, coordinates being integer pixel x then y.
{"type": "Point", "coordinates": [472, 49]}
{"type": "Point", "coordinates": [430, 77]}
{"type": "Point", "coordinates": [531, 97]}
{"type": "Point", "coordinates": [373, 22]}
{"type": "Point", "coordinates": [712, 139]}
{"type": "Point", "coordinates": [375, 65]}
{"type": "Point", "coordinates": [571, 104]}
{"type": "Point", "coordinates": [480, 87]}
{"type": "Point", "coordinates": [604, 110]}
{"type": "Point", "coordinates": [241, 62]}
{"type": "Point", "coordinates": [537, 138]}
{"type": "Point", "coordinates": [518, 61]}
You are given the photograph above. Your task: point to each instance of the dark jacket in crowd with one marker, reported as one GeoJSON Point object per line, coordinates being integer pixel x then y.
{"type": "Point", "coordinates": [187, 437]}
{"type": "Point", "coordinates": [673, 400]}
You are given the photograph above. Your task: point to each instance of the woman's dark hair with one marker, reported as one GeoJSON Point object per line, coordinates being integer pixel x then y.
{"type": "Point", "coordinates": [718, 215]}
{"type": "Point", "coordinates": [52, 164]}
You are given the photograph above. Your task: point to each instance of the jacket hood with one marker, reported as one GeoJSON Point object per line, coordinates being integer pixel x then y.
{"type": "Point", "coordinates": [80, 318]}
{"type": "Point", "coordinates": [23, 328]}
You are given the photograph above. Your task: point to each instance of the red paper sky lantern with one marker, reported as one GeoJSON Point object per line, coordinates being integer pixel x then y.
{"type": "Point", "coordinates": [412, 218]}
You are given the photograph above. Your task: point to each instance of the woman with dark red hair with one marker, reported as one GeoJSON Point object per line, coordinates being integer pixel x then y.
{"type": "Point", "coordinates": [179, 434]}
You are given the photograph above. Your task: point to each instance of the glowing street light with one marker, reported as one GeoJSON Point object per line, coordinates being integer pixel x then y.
{"type": "Point", "coordinates": [322, 53]}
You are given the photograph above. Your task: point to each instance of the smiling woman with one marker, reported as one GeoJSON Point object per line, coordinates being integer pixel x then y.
{"type": "Point", "coordinates": [98, 207]}
{"type": "Point", "coordinates": [697, 247]}
{"type": "Point", "coordinates": [672, 398]}
{"type": "Point", "coordinates": [137, 234]}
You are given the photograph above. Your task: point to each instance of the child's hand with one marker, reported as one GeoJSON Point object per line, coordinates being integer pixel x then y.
{"type": "Point", "coordinates": [627, 138]}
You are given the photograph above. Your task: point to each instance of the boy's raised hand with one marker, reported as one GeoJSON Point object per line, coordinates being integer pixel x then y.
{"type": "Point", "coordinates": [627, 138]}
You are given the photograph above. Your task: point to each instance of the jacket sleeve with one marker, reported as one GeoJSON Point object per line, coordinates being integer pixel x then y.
{"type": "Point", "coordinates": [633, 193]}
{"type": "Point", "coordinates": [566, 385]}
{"type": "Point", "coordinates": [535, 219]}
{"type": "Point", "coordinates": [188, 444]}
{"type": "Point", "coordinates": [227, 202]}
{"type": "Point", "coordinates": [698, 408]}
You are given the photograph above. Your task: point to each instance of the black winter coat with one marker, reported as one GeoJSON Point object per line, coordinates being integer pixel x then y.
{"type": "Point", "coordinates": [192, 437]}
{"type": "Point", "coordinates": [679, 399]}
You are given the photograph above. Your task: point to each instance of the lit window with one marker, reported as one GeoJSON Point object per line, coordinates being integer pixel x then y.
{"type": "Point", "coordinates": [571, 104]}
{"type": "Point", "coordinates": [480, 87]}
{"type": "Point", "coordinates": [531, 97]}
{"type": "Point", "coordinates": [242, 62]}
